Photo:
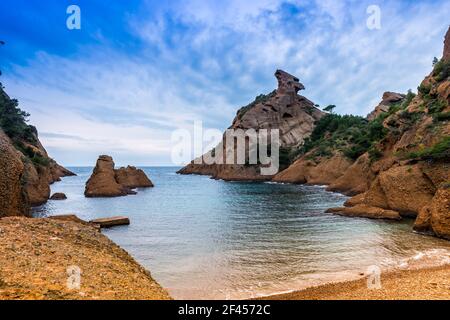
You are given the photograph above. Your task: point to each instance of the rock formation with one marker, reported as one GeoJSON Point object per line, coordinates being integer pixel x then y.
{"type": "Point", "coordinates": [388, 99]}
{"type": "Point", "coordinates": [283, 109]}
{"type": "Point", "coordinates": [106, 181]}
{"type": "Point", "coordinates": [26, 170]}
{"type": "Point", "coordinates": [132, 178]}
{"type": "Point", "coordinates": [405, 172]}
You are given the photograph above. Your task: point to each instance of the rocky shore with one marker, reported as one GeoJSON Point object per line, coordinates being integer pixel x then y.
{"type": "Point", "coordinates": [40, 258]}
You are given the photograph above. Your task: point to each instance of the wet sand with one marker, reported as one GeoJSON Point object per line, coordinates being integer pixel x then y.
{"type": "Point", "coordinates": [416, 284]}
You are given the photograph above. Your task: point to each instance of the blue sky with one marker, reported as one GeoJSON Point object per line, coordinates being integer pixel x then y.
{"type": "Point", "coordinates": [137, 70]}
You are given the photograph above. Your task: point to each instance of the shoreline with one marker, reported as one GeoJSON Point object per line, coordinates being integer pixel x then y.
{"type": "Point", "coordinates": [425, 283]}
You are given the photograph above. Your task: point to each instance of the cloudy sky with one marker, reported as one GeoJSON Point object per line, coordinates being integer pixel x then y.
{"type": "Point", "coordinates": [138, 70]}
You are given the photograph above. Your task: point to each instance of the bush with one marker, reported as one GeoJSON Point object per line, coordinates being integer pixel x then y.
{"type": "Point", "coordinates": [13, 120]}
{"type": "Point", "coordinates": [353, 135]}
{"type": "Point", "coordinates": [440, 150]}
{"type": "Point", "coordinates": [441, 70]}
{"type": "Point", "coordinates": [441, 116]}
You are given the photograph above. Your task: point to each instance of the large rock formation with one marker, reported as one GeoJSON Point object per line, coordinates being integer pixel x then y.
{"type": "Point", "coordinates": [283, 109]}
{"type": "Point", "coordinates": [26, 170]}
{"type": "Point", "coordinates": [106, 181]}
{"type": "Point", "coordinates": [405, 171]}
{"type": "Point", "coordinates": [13, 199]}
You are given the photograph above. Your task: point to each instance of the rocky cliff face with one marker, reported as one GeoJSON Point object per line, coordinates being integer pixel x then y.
{"type": "Point", "coordinates": [389, 98]}
{"type": "Point", "coordinates": [283, 109]}
{"type": "Point", "coordinates": [404, 170]}
{"type": "Point", "coordinates": [106, 181]}
{"type": "Point", "coordinates": [26, 170]}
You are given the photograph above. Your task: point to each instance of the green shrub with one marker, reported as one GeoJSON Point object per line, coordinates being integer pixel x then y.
{"type": "Point", "coordinates": [441, 70]}
{"type": "Point", "coordinates": [440, 150]}
{"type": "Point", "coordinates": [13, 120]}
{"type": "Point", "coordinates": [424, 89]}
{"type": "Point", "coordinates": [353, 135]}
{"type": "Point", "coordinates": [259, 99]}
{"type": "Point", "coordinates": [441, 116]}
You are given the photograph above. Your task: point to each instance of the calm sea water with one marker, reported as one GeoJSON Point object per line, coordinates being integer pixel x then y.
{"type": "Point", "coordinates": [203, 238]}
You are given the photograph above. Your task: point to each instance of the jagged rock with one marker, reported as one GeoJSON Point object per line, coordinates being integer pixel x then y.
{"type": "Point", "coordinates": [283, 109]}
{"type": "Point", "coordinates": [355, 179]}
{"type": "Point", "coordinates": [306, 171]}
{"type": "Point", "coordinates": [58, 196]}
{"type": "Point", "coordinates": [133, 178]}
{"type": "Point", "coordinates": [435, 217]}
{"type": "Point", "coordinates": [388, 99]}
{"type": "Point", "coordinates": [105, 181]}
{"type": "Point", "coordinates": [102, 182]}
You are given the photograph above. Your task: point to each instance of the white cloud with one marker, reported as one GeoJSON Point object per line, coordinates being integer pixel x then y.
{"type": "Point", "coordinates": [223, 55]}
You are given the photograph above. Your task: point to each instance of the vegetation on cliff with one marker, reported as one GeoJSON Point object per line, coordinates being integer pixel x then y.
{"type": "Point", "coordinates": [13, 121]}
{"type": "Point", "coordinates": [351, 135]}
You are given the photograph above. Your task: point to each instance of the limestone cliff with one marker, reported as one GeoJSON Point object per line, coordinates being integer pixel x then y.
{"type": "Point", "coordinates": [283, 109]}
{"type": "Point", "coordinates": [26, 170]}
{"type": "Point", "coordinates": [397, 164]}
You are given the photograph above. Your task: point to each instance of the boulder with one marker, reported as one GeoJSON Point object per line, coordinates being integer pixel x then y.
{"type": "Point", "coordinates": [435, 218]}
{"type": "Point", "coordinates": [365, 211]}
{"type": "Point", "coordinates": [58, 196]}
{"type": "Point", "coordinates": [132, 177]}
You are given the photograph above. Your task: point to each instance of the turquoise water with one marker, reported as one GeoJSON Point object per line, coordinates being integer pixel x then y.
{"type": "Point", "coordinates": [203, 238]}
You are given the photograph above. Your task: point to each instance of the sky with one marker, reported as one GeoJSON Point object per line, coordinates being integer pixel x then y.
{"type": "Point", "coordinates": [137, 71]}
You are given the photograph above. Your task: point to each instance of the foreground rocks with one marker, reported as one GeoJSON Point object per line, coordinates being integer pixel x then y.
{"type": "Point", "coordinates": [37, 256]}
{"type": "Point", "coordinates": [106, 181]}
{"type": "Point", "coordinates": [435, 217]}
{"type": "Point", "coordinates": [283, 109]}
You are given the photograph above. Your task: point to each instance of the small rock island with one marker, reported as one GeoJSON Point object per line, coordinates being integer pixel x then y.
{"type": "Point", "coordinates": [106, 181]}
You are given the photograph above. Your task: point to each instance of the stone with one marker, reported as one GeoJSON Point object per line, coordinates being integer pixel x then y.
{"type": "Point", "coordinates": [58, 196]}
{"type": "Point", "coordinates": [111, 222]}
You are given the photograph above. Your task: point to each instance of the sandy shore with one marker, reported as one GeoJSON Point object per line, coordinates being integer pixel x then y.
{"type": "Point", "coordinates": [47, 259]}
{"type": "Point", "coordinates": [418, 284]}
